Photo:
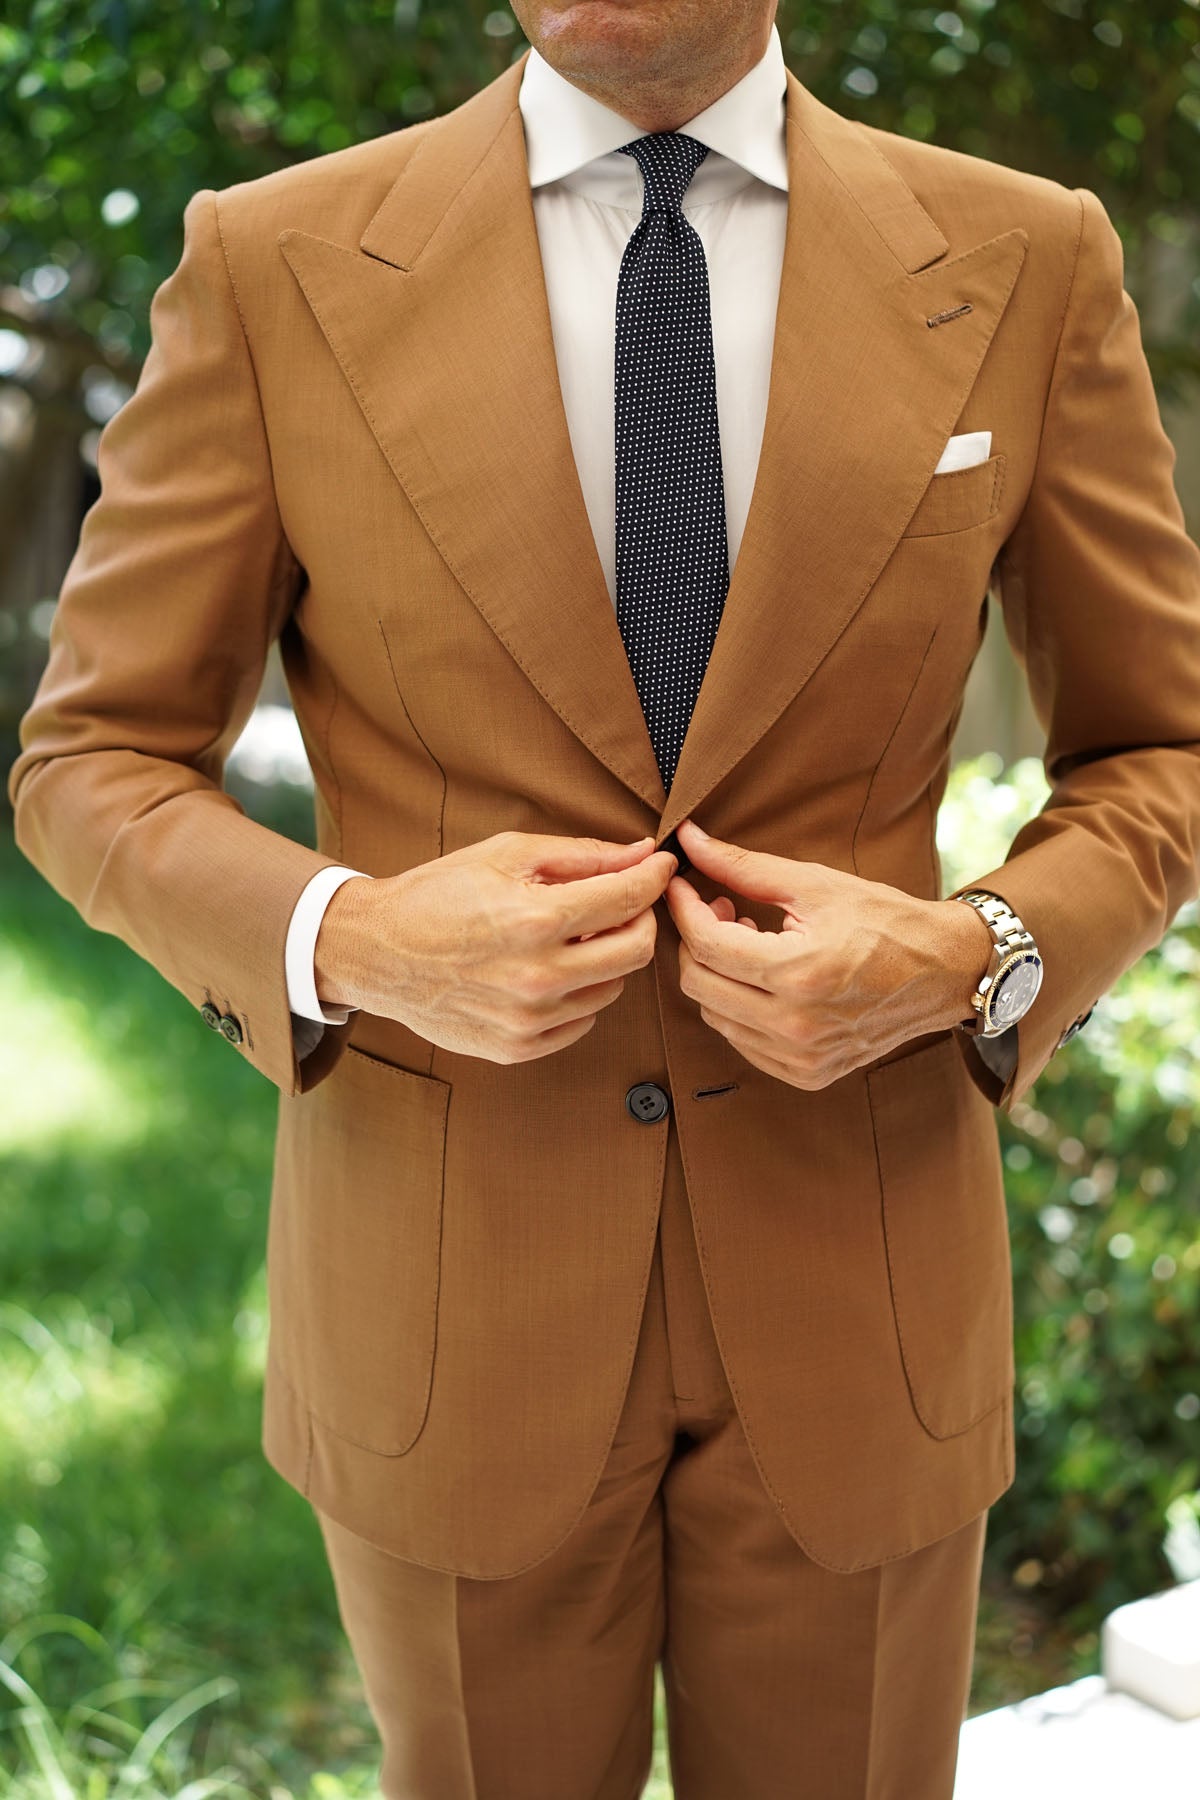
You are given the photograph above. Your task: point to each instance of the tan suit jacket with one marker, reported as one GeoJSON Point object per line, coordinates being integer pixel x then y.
{"type": "Point", "coordinates": [349, 434]}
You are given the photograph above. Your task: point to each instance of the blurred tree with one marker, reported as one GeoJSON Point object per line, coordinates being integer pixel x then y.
{"type": "Point", "coordinates": [113, 112]}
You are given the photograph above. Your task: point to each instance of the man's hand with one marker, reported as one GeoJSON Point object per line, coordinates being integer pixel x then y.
{"type": "Point", "coordinates": [506, 949]}
{"type": "Point", "coordinates": [855, 969]}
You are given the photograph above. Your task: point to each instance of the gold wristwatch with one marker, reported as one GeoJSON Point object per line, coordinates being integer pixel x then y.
{"type": "Point", "coordinates": [1010, 984]}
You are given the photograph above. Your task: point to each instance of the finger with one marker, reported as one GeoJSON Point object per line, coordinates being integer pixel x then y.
{"type": "Point", "coordinates": [578, 1002]}
{"type": "Point", "coordinates": [723, 908]}
{"type": "Point", "coordinates": [601, 955]}
{"type": "Point", "coordinates": [746, 920]}
{"type": "Point", "coordinates": [744, 1037]}
{"type": "Point", "coordinates": [718, 943]}
{"type": "Point", "coordinates": [763, 1051]}
{"type": "Point", "coordinates": [569, 858]}
{"type": "Point", "coordinates": [749, 872]}
{"type": "Point", "coordinates": [598, 902]}
{"type": "Point", "coordinates": [770, 1065]}
{"type": "Point", "coordinates": [750, 1008]}
{"type": "Point", "coordinates": [565, 1005]}
{"type": "Point", "coordinates": [559, 1037]}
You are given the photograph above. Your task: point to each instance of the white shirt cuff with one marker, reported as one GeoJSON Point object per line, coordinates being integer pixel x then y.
{"type": "Point", "coordinates": [300, 947]}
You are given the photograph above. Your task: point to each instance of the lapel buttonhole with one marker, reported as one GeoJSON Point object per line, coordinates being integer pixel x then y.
{"type": "Point", "coordinates": [953, 312]}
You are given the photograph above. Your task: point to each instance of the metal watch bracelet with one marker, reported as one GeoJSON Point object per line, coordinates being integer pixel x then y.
{"type": "Point", "coordinates": [1009, 939]}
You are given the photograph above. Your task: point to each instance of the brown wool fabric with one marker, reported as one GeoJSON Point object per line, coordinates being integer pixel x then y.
{"type": "Point", "coordinates": [349, 436]}
{"type": "Point", "coordinates": [783, 1680]}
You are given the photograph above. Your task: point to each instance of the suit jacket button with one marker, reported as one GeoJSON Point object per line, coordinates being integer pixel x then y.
{"type": "Point", "coordinates": [647, 1102]}
{"type": "Point", "coordinates": [211, 1016]}
{"type": "Point", "coordinates": [671, 842]}
{"type": "Point", "coordinates": [230, 1028]}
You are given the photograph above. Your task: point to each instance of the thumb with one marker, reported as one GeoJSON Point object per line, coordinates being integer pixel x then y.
{"type": "Point", "coordinates": [753, 873]}
{"type": "Point", "coordinates": [575, 858]}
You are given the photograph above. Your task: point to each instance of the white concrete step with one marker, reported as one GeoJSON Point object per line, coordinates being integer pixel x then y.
{"type": "Point", "coordinates": [1133, 1731]}
{"type": "Point", "coordinates": [1151, 1648]}
{"type": "Point", "coordinates": [1083, 1740]}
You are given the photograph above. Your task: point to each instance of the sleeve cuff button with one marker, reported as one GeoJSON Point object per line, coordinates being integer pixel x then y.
{"type": "Point", "coordinates": [1075, 1026]}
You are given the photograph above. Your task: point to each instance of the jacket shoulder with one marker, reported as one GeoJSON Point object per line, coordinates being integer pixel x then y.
{"type": "Point", "coordinates": [332, 195]}
{"type": "Point", "coordinates": [971, 198]}
{"type": "Point", "coordinates": [335, 195]}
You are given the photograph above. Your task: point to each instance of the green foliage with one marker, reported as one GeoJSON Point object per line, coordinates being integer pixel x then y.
{"type": "Point", "coordinates": [112, 112]}
{"type": "Point", "coordinates": [154, 1568]}
{"type": "Point", "coordinates": [108, 1744]}
{"type": "Point", "coordinates": [1103, 1180]}
{"type": "Point", "coordinates": [134, 1176]}
{"type": "Point", "coordinates": [1105, 93]}
{"type": "Point", "coordinates": [70, 1755]}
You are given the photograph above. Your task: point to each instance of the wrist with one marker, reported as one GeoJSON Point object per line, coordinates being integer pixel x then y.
{"type": "Point", "coordinates": [337, 956]}
{"type": "Point", "coordinates": [965, 952]}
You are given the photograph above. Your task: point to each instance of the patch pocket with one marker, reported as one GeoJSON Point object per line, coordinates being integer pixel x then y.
{"type": "Point", "coordinates": [946, 1226]}
{"type": "Point", "coordinates": [354, 1248]}
{"type": "Point", "coordinates": [959, 500]}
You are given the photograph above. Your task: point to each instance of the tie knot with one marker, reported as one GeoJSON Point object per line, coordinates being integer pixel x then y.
{"type": "Point", "coordinates": [668, 160]}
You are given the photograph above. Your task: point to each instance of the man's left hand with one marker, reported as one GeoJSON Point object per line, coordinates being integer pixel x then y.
{"type": "Point", "coordinates": [855, 969]}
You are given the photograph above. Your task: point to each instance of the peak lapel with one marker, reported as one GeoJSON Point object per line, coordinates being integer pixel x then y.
{"type": "Point", "coordinates": [441, 325]}
{"type": "Point", "coordinates": [863, 396]}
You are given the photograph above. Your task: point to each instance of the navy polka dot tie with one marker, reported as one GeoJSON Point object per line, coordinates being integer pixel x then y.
{"type": "Point", "coordinates": [672, 556]}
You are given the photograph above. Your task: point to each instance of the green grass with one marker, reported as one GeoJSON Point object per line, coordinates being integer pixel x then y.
{"type": "Point", "coordinates": [135, 1155]}
{"type": "Point", "coordinates": [155, 1574]}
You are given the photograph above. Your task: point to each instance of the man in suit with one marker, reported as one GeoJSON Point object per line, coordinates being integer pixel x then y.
{"type": "Point", "coordinates": [635, 448]}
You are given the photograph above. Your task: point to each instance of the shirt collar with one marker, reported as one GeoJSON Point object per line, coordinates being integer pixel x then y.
{"type": "Point", "coordinates": [565, 129]}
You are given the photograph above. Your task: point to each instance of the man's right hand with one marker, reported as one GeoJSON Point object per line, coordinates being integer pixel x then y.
{"type": "Point", "coordinates": [506, 949]}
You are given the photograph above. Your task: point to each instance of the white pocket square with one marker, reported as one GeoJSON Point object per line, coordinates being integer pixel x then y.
{"type": "Point", "coordinates": [964, 451]}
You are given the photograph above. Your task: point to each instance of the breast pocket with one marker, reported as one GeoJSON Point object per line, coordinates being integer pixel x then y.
{"type": "Point", "coordinates": [354, 1248]}
{"type": "Point", "coordinates": [946, 1226]}
{"type": "Point", "coordinates": [959, 500]}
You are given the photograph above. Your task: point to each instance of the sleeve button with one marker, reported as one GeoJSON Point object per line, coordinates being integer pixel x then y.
{"type": "Point", "coordinates": [211, 1016]}
{"type": "Point", "coordinates": [229, 1028]}
{"type": "Point", "coordinates": [1076, 1025]}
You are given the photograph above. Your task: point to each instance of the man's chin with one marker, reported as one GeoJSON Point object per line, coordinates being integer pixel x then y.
{"type": "Point", "coordinates": [604, 36]}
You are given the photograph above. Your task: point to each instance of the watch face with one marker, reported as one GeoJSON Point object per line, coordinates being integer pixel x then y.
{"type": "Point", "coordinates": [1014, 990]}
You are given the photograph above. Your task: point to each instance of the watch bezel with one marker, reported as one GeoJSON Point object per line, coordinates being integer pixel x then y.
{"type": "Point", "coordinates": [989, 1027]}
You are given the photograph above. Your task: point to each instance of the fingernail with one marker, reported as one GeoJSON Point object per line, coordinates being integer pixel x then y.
{"type": "Point", "coordinates": [698, 829]}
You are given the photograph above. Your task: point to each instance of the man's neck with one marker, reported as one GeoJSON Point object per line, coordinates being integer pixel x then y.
{"type": "Point", "coordinates": [668, 104]}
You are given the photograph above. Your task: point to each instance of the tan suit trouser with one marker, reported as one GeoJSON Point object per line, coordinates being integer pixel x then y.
{"type": "Point", "coordinates": [784, 1680]}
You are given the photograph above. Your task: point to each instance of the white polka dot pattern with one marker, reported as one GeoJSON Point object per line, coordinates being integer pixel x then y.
{"type": "Point", "coordinates": [672, 555]}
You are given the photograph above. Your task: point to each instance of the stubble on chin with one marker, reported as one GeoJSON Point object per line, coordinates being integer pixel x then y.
{"type": "Point", "coordinates": [608, 42]}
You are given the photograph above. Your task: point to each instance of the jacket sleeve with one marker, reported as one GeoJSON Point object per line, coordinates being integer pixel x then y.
{"type": "Point", "coordinates": [1100, 590]}
{"type": "Point", "coordinates": [181, 579]}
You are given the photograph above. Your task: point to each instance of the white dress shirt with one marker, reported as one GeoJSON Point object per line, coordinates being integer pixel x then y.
{"type": "Point", "coordinates": [587, 199]}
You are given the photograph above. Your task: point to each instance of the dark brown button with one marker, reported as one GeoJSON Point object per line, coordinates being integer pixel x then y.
{"type": "Point", "coordinates": [647, 1103]}
{"type": "Point", "coordinates": [671, 842]}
